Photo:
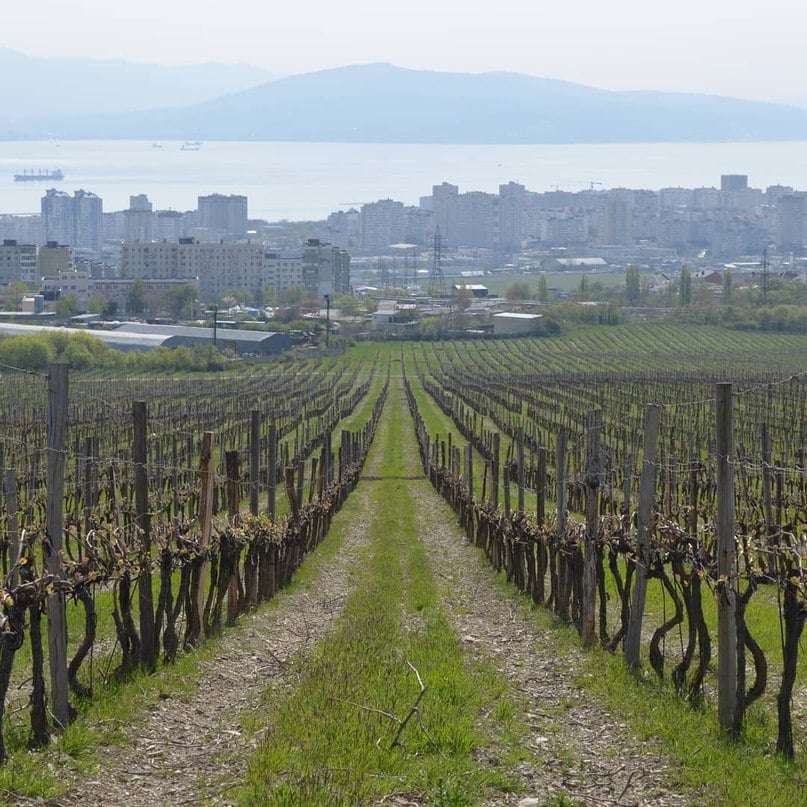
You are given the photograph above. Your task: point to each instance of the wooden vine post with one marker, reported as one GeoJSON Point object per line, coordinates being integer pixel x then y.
{"type": "Point", "coordinates": [148, 638]}
{"type": "Point", "coordinates": [271, 471]}
{"type": "Point", "coordinates": [469, 469]}
{"type": "Point", "coordinates": [254, 459]}
{"type": "Point", "coordinates": [520, 470]}
{"type": "Point", "coordinates": [557, 562]}
{"type": "Point", "coordinates": [540, 504]}
{"type": "Point", "coordinates": [58, 400]}
{"type": "Point", "coordinates": [594, 429]}
{"type": "Point", "coordinates": [727, 696]}
{"type": "Point", "coordinates": [199, 584]}
{"type": "Point", "coordinates": [647, 485]}
{"type": "Point", "coordinates": [13, 525]}
{"type": "Point", "coordinates": [560, 481]}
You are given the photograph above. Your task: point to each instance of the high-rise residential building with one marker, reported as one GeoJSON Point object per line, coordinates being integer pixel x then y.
{"type": "Point", "coordinates": [326, 268]}
{"type": "Point", "coordinates": [477, 220]}
{"type": "Point", "coordinates": [512, 208]}
{"type": "Point", "coordinates": [57, 217]}
{"type": "Point", "coordinates": [88, 221]}
{"type": "Point", "coordinates": [17, 262]}
{"type": "Point", "coordinates": [343, 229]}
{"type": "Point", "coordinates": [791, 215]}
{"type": "Point", "coordinates": [139, 219]}
{"type": "Point", "coordinates": [169, 225]}
{"type": "Point", "coordinates": [225, 217]}
{"type": "Point", "coordinates": [382, 223]}
{"type": "Point", "coordinates": [617, 221]}
{"type": "Point", "coordinates": [26, 229]}
{"type": "Point", "coordinates": [445, 210]}
{"type": "Point", "coordinates": [75, 220]}
{"type": "Point", "coordinates": [733, 182]}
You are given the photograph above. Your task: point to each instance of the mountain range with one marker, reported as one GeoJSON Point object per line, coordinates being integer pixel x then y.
{"type": "Point", "coordinates": [54, 88]}
{"type": "Point", "coordinates": [383, 103]}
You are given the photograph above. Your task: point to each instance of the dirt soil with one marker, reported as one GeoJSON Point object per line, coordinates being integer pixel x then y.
{"type": "Point", "coordinates": [582, 751]}
{"type": "Point", "coordinates": [189, 751]}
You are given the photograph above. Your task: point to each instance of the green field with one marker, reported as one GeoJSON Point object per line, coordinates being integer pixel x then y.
{"type": "Point", "coordinates": [410, 673]}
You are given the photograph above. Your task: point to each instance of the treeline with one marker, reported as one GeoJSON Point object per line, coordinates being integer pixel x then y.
{"type": "Point", "coordinates": [782, 318]}
{"type": "Point", "coordinates": [82, 351]}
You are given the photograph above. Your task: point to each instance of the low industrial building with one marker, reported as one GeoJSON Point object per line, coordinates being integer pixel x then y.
{"type": "Point", "coordinates": [259, 343]}
{"type": "Point", "coordinates": [138, 336]}
{"type": "Point", "coordinates": [510, 323]}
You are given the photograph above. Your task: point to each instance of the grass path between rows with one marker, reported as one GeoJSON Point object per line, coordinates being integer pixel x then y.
{"type": "Point", "coordinates": [190, 728]}
{"type": "Point", "coordinates": [502, 717]}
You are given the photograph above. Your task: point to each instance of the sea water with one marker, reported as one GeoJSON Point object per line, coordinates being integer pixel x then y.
{"type": "Point", "coordinates": [299, 181]}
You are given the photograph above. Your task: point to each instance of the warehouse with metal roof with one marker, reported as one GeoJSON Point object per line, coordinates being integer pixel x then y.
{"type": "Point", "coordinates": [139, 336]}
{"type": "Point", "coordinates": [259, 343]}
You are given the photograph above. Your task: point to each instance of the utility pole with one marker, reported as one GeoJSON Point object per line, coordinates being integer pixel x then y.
{"type": "Point", "coordinates": [765, 276]}
{"type": "Point", "coordinates": [327, 321]}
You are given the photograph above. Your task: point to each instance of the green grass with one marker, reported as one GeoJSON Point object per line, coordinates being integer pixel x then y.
{"type": "Point", "coordinates": [719, 771]}
{"type": "Point", "coordinates": [327, 741]}
{"type": "Point", "coordinates": [106, 720]}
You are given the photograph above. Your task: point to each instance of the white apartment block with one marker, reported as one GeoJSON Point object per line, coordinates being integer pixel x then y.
{"type": "Point", "coordinates": [222, 267]}
{"type": "Point", "coordinates": [216, 267]}
{"type": "Point", "coordinates": [282, 272]}
{"type": "Point", "coordinates": [150, 259]}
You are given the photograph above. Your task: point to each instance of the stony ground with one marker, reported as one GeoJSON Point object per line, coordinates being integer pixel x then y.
{"type": "Point", "coordinates": [188, 752]}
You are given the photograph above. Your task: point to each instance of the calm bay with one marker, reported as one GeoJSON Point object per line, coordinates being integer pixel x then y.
{"type": "Point", "coordinates": [298, 181]}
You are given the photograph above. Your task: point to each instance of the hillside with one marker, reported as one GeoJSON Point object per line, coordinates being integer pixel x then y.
{"type": "Point", "coordinates": [384, 103]}
{"type": "Point", "coordinates": [51, 88]}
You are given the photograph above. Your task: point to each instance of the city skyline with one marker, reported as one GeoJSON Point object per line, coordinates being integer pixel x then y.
{"type": "Point", "coordinates": [717, 48]}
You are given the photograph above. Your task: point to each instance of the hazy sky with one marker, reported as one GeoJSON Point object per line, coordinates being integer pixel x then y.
{"type": "Point", "coordinates": [711, 46]}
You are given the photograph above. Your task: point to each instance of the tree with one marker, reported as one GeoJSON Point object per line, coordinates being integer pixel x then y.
{"type": "Point", "coordinates": [348, 305]}
{"type": "Point", "coordinates": [67, 305]}
{"type": "Point", "coordinates": [17, 289]}
{"type": "Point", "coordinates": [583, 288]}
{"type": "Point", "coordinates": [293, 296]}
{"type": "Point", "coordinates": [179, 297]}
{"type": "Point", "coordinates": [463, 297]}
{"type": "Point", "coordinates": [685, 286]}
{"type": "Point", "coordinates": [517, 291]}
{"type": "Point", "coordinates": [97, 304]}
{"type": "Point", "coordinates": [136, 299]}
{"type": "Point", "coordinates": [633, 284]}
{"type": "Point", "coordinates": [543, 289]}
{"type": "Point", "coordinates": [728, 286]}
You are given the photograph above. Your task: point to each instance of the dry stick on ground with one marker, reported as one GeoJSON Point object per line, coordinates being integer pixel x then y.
{"type": "Point", "coordinates": [414, 709]}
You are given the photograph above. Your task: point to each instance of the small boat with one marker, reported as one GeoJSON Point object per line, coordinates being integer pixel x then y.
{"type": "Point", "coordinates": [40, 175]}
{"type": "Point", "coordinates": [191, 145]}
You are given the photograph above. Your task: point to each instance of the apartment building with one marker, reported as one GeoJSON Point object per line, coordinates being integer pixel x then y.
{"type": "Point", "coordinates": [17, 262]}
{"type": "Point", "coordinates": [138, 219]}
{"type": "Point", "coordinates": [224, 217]}
{"type": "Point", "coordinates": [53, 258]}
{"type": "Point", "coordinates": [282, 272]}
{"type": "Point", "coordinates": [382, 223]}
{"type": "Point", "coordinates": [76, 220]}
{"type": "Point", "coordinates": [325, 268]}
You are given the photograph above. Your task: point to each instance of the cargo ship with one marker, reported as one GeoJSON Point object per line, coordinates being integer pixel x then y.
{"type": "Point", "coordinates": [39, 175]}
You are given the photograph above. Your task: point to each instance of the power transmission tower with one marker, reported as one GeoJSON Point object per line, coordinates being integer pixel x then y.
{"type": "Point", "coordinates": [437, 281]}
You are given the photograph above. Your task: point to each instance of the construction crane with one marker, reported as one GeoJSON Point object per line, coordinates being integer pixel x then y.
{"type": "Point", "coordinates": [592, 183]}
